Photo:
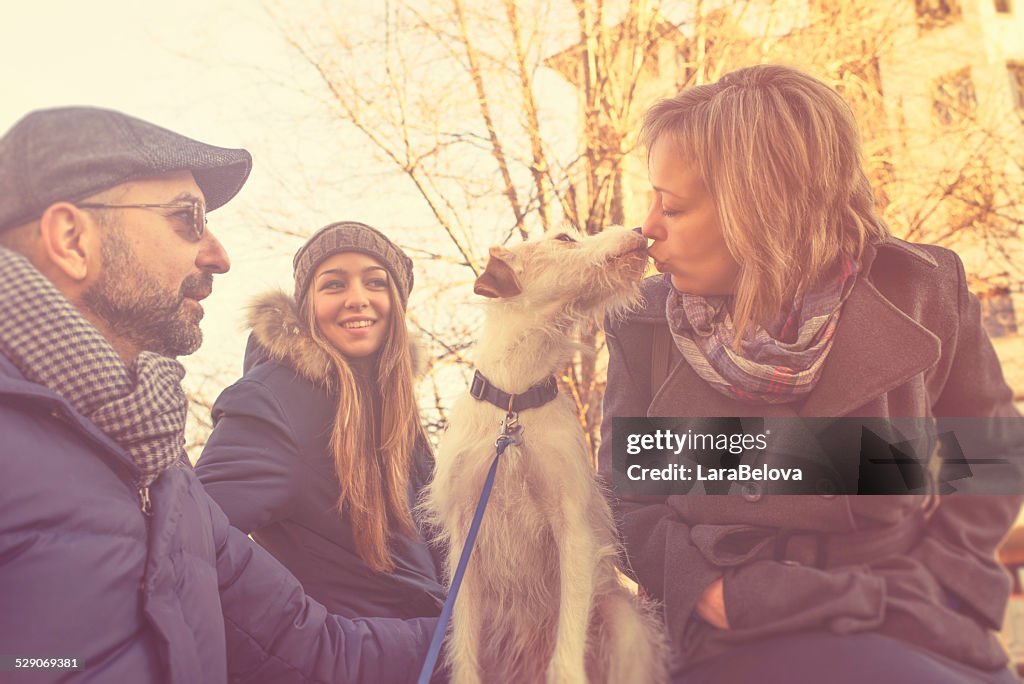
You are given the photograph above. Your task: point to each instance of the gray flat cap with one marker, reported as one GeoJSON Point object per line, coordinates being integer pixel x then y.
{"type": "Point", "coordinates": [69, 153]}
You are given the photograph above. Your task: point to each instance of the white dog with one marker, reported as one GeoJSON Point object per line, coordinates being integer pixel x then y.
{"type": "Point", "coordinates": [541, 599]}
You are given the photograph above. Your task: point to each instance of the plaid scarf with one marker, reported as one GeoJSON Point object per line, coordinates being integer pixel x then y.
{"type": "Point", "coordinates": [141, 408]}
{"type": "Point", "coordinates": [776, 364]}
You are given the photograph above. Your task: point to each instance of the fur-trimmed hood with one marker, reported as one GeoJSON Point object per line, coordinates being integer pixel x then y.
{"type": "Point", "coordinates": [278, 334]}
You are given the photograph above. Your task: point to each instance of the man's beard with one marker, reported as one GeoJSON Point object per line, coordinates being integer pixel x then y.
{"type": "Point", "coordinates": [136, 308]}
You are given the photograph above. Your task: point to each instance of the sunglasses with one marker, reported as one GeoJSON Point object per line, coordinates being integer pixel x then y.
{"type": "Point", "coordinates": [196, 213]}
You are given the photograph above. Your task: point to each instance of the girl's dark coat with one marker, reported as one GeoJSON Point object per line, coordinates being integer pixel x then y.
{"type": "Point", "coordinates": [269, 465]}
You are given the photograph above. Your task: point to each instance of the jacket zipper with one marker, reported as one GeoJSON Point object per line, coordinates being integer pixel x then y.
{"type": "Point", "coordinates": [147, 503]}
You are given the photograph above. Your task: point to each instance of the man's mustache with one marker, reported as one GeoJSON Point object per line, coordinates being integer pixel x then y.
{"type": "Point", "coordinates": [196, 286]}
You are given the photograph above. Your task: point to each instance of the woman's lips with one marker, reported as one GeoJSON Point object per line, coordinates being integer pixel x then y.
{"type": "Point", "coordinates": [357, 331]}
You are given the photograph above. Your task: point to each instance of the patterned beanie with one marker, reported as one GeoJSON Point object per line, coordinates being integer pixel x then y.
{"type": "Point", "coordinates": [351, 236]}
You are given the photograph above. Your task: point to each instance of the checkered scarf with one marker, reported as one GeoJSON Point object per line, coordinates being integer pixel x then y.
{"type": "Point", "coordinates": [776, 364]}
{"type": "Point", "coordinates": [141, 408]}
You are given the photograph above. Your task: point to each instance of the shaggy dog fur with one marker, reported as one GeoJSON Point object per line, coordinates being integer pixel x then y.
{"type": "Point", "coordinates": [541, 599]}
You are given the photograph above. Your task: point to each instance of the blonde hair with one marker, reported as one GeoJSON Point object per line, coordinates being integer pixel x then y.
{"type": "Point", "coordinates": [374, 477]}
{"type": "Point", "coordinates": [780, 154]}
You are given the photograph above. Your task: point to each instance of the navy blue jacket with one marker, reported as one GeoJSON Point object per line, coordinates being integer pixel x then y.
{"type": "Point", "coordinates": [269, 465]}
{"type": "Point", "coordinates": [180, 596]}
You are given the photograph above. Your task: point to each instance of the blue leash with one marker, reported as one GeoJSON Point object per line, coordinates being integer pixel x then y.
{"type": "Point", "coordinates": [510, 435]}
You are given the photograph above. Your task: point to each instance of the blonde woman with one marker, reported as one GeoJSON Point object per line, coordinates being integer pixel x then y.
{"type": "Point", "coordinates": [318, 451]}
{"type": "Point", "coordinates": [784, 294]}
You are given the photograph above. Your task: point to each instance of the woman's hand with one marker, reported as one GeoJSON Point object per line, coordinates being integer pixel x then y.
{"type": "Point", "coordinates": [711, 605]}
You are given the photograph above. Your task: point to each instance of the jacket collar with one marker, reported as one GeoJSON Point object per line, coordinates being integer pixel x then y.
{"type": "Point", "coordinates": [13, 383]}
{"type": "Point", "coordinates": [278, 334]}
{"type": "Point", "coordinates": [31, 397]}
{"type": "Point", "coordinates": [877, 347]}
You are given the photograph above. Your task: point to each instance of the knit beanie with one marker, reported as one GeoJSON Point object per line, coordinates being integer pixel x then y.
{"type": "Point", "coordinates": [351, 236]}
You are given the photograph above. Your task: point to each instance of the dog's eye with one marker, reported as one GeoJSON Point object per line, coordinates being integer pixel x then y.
{"type": "Point", "coordinates": [565, 237]}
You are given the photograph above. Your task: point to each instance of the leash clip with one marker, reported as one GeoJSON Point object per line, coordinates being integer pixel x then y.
{"type": "Point", "coordinates": [509, 436]}
{"type": "Point", "coordinates": [511, 430]}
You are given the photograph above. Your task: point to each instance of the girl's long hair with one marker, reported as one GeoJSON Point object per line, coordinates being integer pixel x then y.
{"type": "Point", "coordinates": [373, 451]}
{"type": "Point", "coordinates": [780, 154]}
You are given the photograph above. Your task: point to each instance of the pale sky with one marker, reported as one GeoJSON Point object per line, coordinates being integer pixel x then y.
{"type": "Point", "coordinates": [219, 72]}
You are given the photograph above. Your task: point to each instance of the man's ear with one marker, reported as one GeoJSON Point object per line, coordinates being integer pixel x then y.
{"type": "Point", "coordinates": [499, 276]}
{"type": "Point", "coordinates": [69, 242]}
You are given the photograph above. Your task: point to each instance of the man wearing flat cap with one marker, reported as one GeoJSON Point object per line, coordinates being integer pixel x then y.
{"type": "Point", "coordinates": [114, 563]}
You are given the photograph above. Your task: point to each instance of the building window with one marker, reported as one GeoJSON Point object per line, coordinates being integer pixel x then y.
{"type": "Point", "coordinates": [997, 314]}
{"type": "Point", "coordinates": [954, 98]}
{"type": "Point", "coordinates": [862, 76]}
{"type": "Point", "coordinates": [1003, 6]}
{"type": "Point", "coordinates": [936, 13]}
{"type": "Point", "coordinates": [1016, 71]}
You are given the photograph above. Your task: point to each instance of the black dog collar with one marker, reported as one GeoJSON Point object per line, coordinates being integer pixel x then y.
{"type": "Point", "coordinates": [538, 395]}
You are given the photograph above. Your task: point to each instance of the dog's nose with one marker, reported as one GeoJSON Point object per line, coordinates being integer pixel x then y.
{"type": "Point", "coordinates": [639, 230]}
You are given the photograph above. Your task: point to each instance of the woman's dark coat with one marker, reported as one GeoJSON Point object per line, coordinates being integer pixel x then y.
{"type": "Point", "coordinates": [269, 465]}
{"type": "Point", "coordinates": [909, 343]}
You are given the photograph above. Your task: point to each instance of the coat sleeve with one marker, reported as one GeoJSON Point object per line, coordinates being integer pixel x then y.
{"type": "Point", "coordinates": [659, 551]}
{"type": "Point", "coordinates": [275, 633]}
{"type": "Point", "coordinates": [965, 531]}
{"type": "Point", "coordinates": [248, 464]}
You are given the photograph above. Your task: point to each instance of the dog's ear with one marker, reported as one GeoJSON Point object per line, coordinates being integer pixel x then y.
{"type": "Point", "coordinates": [499, 278]}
